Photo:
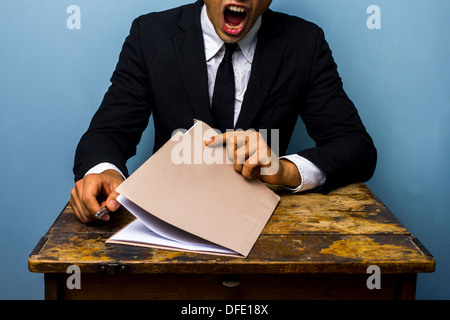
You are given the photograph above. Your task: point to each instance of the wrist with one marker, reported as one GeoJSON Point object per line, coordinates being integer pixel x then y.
{"type": "Point", "coordinates": [113, 173]}
{"type": "Point", "coordinates": [289, 174]}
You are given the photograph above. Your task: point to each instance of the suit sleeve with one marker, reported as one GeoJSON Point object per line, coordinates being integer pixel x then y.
{"type": "Point", "coordinates": [344, 150]}
{"type": "Point", "coordinates": [117, 126]}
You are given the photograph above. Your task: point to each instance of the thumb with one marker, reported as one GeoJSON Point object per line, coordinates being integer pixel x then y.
{"type": "Point", "coordinates": [112, 179]}
{"type": "Point", "coordinates": [111, 203]}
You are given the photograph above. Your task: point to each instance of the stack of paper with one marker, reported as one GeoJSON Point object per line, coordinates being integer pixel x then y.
{"type": "Point", "coordinates": [186, 198]}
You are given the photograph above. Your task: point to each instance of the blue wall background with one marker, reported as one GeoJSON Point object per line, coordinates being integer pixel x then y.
{"type": "Point", "coordinates": [52, 80]}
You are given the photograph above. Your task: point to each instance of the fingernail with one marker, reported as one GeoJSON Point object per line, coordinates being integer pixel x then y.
{"type": "Point", "coordinates": [208, 142]}
{"type": "Point", "coordinates": [113, 205]}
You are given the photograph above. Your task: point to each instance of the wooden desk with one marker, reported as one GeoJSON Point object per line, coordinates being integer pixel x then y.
{"type": "Point", "coordinates": [314, 247]}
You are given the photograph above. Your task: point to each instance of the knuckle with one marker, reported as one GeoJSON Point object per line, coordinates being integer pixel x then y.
{"type": "Point", "coordinates": [86, 197]}
{"type": "Point", "coordinates": [89, 177]}
{"type": "Point", "coordinates": [79, 183]}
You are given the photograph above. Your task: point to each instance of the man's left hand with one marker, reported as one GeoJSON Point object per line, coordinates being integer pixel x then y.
{"type": "Point", "coordinates": [252, 157]}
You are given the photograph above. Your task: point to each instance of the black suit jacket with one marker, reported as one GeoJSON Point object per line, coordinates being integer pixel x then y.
{"type": "Point", "coordinates": [162, 71]}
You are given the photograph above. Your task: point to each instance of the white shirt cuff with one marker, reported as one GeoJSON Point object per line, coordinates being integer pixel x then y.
{"type": "Point", "coordinates": [103, 167]}
{"type": "Point", "coordinates": [312, 176]}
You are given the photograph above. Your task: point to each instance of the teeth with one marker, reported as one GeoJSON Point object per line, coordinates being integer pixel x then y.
{"type": "Point", "coordinates": [236, 9]}
{"type": "Point", "coordinates": [234, 27]}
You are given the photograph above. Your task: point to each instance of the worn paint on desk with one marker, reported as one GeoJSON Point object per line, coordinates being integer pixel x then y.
{"type": "Point", "coordinates": [342, 232]}
{"type": "Point", "coordinates": [351, 210]}
{"type": "Point", "coordinates": [364, 247]}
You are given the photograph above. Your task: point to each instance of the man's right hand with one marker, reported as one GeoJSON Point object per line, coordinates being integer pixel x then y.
{"type": "Point", "coordinates": [89, 195]}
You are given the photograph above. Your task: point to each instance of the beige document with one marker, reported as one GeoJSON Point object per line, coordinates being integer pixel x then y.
{"type": "Point", "coordinates": [188, 197]}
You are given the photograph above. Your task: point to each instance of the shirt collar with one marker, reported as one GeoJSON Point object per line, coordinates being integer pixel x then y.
{"type": "Point", "coordinates": [213, 43]}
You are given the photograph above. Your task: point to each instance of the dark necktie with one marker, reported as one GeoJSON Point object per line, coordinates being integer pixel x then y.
{"type": "Point", "coordinates": [224, 92]}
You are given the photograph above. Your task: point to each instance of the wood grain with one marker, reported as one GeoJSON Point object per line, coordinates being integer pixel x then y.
{"type": "Point", "coordinates": [342, 232]}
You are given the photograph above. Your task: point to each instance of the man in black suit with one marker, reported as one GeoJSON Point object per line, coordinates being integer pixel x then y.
{"type": "Point", "coordinates": [283, 68]}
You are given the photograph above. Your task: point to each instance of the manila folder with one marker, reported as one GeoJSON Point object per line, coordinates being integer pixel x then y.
{"type": "Point", "coordinates": [188, 197]}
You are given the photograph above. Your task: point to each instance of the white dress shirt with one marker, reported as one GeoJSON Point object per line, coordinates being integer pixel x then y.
{"type": "Point", "coordinates": [312, 176]}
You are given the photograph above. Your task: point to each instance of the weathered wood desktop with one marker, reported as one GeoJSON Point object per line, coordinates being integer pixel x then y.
{"type": "Point", "coordinates": [314, 247]}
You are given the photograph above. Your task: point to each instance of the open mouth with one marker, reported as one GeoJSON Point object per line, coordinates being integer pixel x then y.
{"type": "Point", "coordinates": [234, 19]}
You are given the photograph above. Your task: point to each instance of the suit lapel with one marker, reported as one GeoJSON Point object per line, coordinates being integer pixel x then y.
{"type": "Point", "coordinates": [267, 59]}
{"type": "Point", "coordinates": [191, 58]}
